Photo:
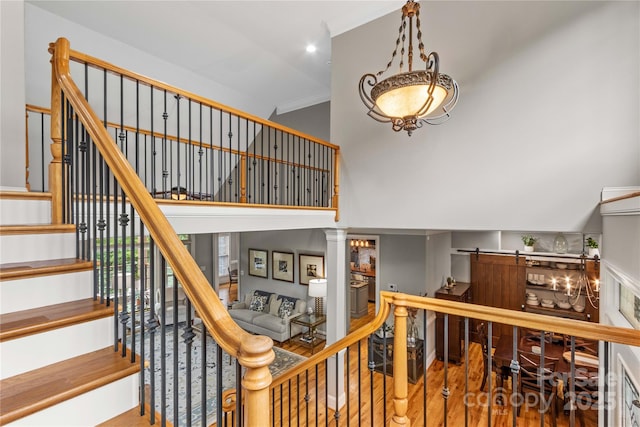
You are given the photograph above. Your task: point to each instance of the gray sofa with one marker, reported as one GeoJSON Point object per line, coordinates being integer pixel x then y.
{"type": "Point", "coordinates": [267, 313]}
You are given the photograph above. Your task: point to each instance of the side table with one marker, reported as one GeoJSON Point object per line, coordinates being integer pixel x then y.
{"type": "Point", "coordinates": [311, 322]}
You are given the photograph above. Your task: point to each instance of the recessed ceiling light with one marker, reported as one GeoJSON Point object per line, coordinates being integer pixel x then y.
{"type": "Point", "coordinates": [311, 48]}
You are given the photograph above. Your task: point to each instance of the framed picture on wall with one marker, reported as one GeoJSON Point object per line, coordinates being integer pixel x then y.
{"type": "Point", "coordinates": [311, 267]}
{"type": "Point", "coordinates": [258, 263]}
{"type": "Point", "coordinates": [282, 266]}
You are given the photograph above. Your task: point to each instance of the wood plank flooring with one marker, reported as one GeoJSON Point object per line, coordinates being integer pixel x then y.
{"type": "Point", "coordinates": [374, 408]}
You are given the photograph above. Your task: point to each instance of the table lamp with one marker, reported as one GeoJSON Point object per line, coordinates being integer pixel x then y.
{"type": "Point", "coordinates": [318, 289]}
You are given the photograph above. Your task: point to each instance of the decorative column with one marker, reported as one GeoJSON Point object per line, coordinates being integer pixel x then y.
{"type": "Point", "coordinates": [337, 312]}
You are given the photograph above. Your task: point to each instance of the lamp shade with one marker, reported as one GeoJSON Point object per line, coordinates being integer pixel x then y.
{"type": "Point", "coordinates": [318, 287]}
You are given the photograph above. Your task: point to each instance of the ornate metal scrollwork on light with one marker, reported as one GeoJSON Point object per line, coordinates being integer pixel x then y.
{"type": "Point", "coordinates": [409, 99]}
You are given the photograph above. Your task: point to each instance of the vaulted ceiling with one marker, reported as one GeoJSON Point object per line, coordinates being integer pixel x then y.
{"type": "Point", "coordinates": [258, 47]}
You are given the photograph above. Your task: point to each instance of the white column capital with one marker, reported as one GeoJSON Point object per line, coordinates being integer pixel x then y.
{"type": "Point", "coordinates": [336, 234]}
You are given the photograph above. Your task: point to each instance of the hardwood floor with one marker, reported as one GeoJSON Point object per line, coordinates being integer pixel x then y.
{"type": "Point", "coordinates": [285, 411]}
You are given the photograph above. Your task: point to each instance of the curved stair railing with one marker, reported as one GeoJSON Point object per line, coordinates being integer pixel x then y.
{"type": "Point", "coordinates": [80, 197]}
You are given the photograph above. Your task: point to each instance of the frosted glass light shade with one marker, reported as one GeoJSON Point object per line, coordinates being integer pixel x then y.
{"type": "Point", "coordinates": [410, 100]}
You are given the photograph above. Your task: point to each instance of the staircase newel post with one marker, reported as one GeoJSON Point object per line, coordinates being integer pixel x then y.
{"type": "Point", "coordinates": [243, 178]}
{"type": "Point", "coordinates": [58, 50]}
{"type": "Point", "coordinates": [400, 378]}
{"type": "Point", "coordinates": [255, 355]}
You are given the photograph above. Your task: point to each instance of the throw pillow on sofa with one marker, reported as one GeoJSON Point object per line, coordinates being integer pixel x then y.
{"type": "Point", "coordinates": [274, 307]}
{"type": "Point", "coordinates": [258, 302]}
{"type": "Point", "coordinates": [287, 306]}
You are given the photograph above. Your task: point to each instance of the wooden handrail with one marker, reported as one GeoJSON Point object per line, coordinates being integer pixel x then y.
{"type": "Point", "coordinates": [589, 330]}
{"type": "Point", "coordinates": [253, 352]}
{"type": "Point", "coordinates": [130, 75]}
{"type": "Point", "coordinates": [626, 196]}
{"type": "Point", "coordinates": [194, 142]}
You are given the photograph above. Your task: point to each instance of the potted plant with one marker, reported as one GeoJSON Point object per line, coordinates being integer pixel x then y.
{"type": "Point", "coordinates": [592, 244]}
{"type": "Point", "coordinates": [528, 241]}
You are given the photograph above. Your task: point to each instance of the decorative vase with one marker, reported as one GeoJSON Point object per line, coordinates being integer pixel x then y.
{"type": "Point", "coordinates": [560, 245]}
{"type": "Point", "coordinates": [528, 248]}
{"type": "Point", "coordinates": [593, 252]}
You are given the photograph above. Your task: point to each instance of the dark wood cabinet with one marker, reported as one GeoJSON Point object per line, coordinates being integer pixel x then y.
{"type": "Point", "coordinates": [460, 292]}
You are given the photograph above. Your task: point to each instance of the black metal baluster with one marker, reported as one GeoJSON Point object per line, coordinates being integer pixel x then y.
{"type": "Point", "coordinates": [189, 158]}
{"type": "Point", "coordinates": [219, 384]}
{"type": "Point", "coordinates": [220, 162]}
{"type": "Point", "coordinates": [203, 376]}
{"type": "Point", "coordinates": [239, 399]}
{"type": "Point", "coordinates": [132, 279]}
{"type": "Point", "coordinates": [178, 183]}
{"type": "Point", "coordinates": [466, 369]}
{"type": "Point", "coordinates": [543, 374]}
{"type": "Point", "coordinates": [326, 392]}
{"type": "Point", "coordinates": [605, 382]}
{"type": "Point", "coordinates": [371, 367]}
{"type": "Point", "coordinates": [572, 384]}
{"type": "Point", "coordinates": [163, 340]}
{"type": "Point", "coordinates": [489, 365]}
{"type": "Point", "coordinates": [445, 387]}
{"type": "Point", "coordinates": [165, 170]}
{"type": "Point", "coordinates": [424, 367]}
{"type": "Point", "coordinates": [154, 158]}
{"type": "Point", "coordinates": [142, 308]}
{"type": "Point", "coordinates": [307, 397]}
{"type": "Point", "coordinates": [99, 266]}
{"type": "Point", "coordinates": [515, 371]}
{"type": "Point", "coordinates": [188, 336]}
{"type": "Point", "coordinates": [269, 166]}
{"type": "Point", "coordinates": [152, 325]}
{"type": "Point", "coordinates": [174, 306]}
{"type": "Point", "coordinates": [229, 164]}
{"type": "Point", "coordinates": [200, 154]}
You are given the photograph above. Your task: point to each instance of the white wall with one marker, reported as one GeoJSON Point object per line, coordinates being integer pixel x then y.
{"type": "Point", "coordinates": [530, 145]}
{"type": "Point", "coordinates": [42, 27]}
{"type": "Point", "coordinates": [310, 242]}
{"type": "Point", "coordinates": [403, 262]}
{"type": "Point", "coordinates": [12, 101]}
{"type": "Point", "coordinates": [620, 255]}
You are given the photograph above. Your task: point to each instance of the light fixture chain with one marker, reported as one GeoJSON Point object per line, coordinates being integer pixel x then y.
{"type": "Point", "coordinates": [423, 55]}
{"type": "Point", "coordinates": [395, 51]}
{"type": "Point", "coordinates": [404, 39]}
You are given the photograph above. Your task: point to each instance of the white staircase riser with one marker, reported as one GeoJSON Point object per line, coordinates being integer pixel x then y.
{"type": "Point", "coordinates": [38, 350]}
{"type": "Point", "coordinates": [37, 247]}
{"type": "Point", "coordinates": [25, 212]}
{"type": "Point", "coordinates": [34, 292]}
{"type": "Point", "coordinates": [88, 409]}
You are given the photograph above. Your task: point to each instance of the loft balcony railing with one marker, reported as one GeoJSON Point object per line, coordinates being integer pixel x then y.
{"type": "Point", "coordinates": [169, 315]}
{"type": "Point", "coordinates": [186, 147]}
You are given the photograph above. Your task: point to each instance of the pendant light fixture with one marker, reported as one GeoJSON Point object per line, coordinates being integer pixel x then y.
{"type": "Point", "coordinates": [410, 98]}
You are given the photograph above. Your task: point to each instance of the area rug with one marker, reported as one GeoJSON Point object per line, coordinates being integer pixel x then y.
{"type": "Point", "coordinates": [283, 361]}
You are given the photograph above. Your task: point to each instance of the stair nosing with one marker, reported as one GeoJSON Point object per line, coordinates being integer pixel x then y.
{"type": "Point", "coordinates": [13, 229]}
{"type": "Point", "coordinates": [95, 381]}
{"type": "Point", "coordinates": [25, 195]}
{"type": "Point", "coordinates": [26, 270]}
{"type": "Point", "coordinates": [93, 310]}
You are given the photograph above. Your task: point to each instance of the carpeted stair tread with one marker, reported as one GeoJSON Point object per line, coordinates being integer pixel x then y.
{"type": "Point", "coordinates": [35, 390]}
{"type": "Point", "coordinates": [6, 230]}
{"type": "Point", "coordinates": [26, 269]}
{"type": "Point", "coordinates": [36, 320]}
